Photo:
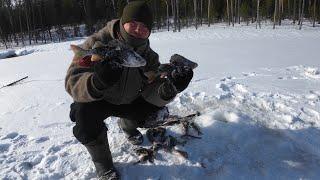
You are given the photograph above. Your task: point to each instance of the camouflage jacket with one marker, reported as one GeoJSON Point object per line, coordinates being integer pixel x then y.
{"type": "Point", "coordinates": [132, 84]}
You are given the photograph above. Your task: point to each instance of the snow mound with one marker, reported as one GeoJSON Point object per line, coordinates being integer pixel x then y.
{"type": "Point", "coordinates": [15, 53]}
{"type": "Point", "coordinates": [7, 54]}
{"type": "Point", "coordinates": [312, 72]}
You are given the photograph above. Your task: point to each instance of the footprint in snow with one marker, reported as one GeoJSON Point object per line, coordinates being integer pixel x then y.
{"type": "Point", "coordinates": [24, 166]}
{"type": "Point", "coordinates": [250, 74]}
{"type": "Point", "coordinates": [4, 148]}
{"type": "Point", "coordinates": [42, 139]}
{"type": "Point", "coordinates": [20, 140]}
{"type": "Point", "coordinates": [10, 136]}
{"type": "Point", "coordinates": [312, 72]}
{"type": "Point", "coordinates": [54, 149]}
{"type": "Point", "coordinates": [228, 78]}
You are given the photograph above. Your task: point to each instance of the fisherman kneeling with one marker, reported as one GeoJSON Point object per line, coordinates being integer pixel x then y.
{"type": "Point", "coordinates": [105, 88]}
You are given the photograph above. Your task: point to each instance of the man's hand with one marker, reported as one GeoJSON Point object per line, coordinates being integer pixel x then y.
{"type": "Point", "coordinates": [167, 90]}
{"type": "Point", "coordinates": [181, 77]}
{"type": "Point", "coordinates": [106, 73]}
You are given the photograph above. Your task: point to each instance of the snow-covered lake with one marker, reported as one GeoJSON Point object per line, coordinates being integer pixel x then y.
{"type": "Point", "coordinates": [258, 92]}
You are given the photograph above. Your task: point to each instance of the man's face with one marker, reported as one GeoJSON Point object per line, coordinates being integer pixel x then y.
{"type": "Point", "coordinates": [137, 29]}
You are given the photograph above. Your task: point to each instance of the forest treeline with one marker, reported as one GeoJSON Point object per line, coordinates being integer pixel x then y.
{"type": "Point", "coordinates": [25, 22]}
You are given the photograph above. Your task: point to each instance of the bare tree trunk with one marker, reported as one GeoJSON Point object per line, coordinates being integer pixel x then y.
{"type": "Point", "coordinates": [235, 11]}
{"type": "Point", "coordinates": [258, 17]}
{"type": "Point", "coordinates": [232, 14]}
{"type": "Point", "coordinates": [168, 20]}
{"type": "Point", "coordinates": [12, 29]}
{"type": "Point", "coordinates": [174, 15]}
{"type": "Point", "coordinates": [228, 12]}
{"type": "Point", "coordinates": [178, 15]}
{"type": "Point", "coordinates": [41, 22]}
{"type": "Point", "coordinates": [275, 13]}
{"type": "Point", "coordinates": [252, 13]}
{"type": "Point", "coordinates": [201, 11]}
{"type": "Point", "coordinates": [28, 23]}
{"type": "Point", "coordinates": [3, 38]}
{"type": "Point", "coordinates": [314, 12]}
{"type": "Point", "coordinates": [185, 13]}
{"type": "Point", "coordinates": [279, 12]}
{"type": "Point", "coordinates": [299, 16]}
{"type": "Point", "coordinates": [294, 11]}
{"type": "Point", "coordinates": [195, 13]}
{"type": "Point", "coordinates": [209, 12]}
{"type": "Point", "coordinates": [302, 14]}
{"type": "Point", "coordinates": [239, 1]}
{"type": "Point", "coordinates": [20, 22]}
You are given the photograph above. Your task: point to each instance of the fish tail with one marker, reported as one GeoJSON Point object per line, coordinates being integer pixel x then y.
{"type": "Point", "coordinates": [78, 51]}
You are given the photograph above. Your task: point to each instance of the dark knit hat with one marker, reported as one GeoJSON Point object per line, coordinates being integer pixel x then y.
{"type": "Point", "coordinates": [137, 11]}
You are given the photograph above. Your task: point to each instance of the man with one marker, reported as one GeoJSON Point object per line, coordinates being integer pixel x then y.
{"type": "Point", "coordinates": [106, 88]}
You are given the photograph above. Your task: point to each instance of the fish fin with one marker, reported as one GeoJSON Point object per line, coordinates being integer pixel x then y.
{"type": "Point", "coordinates": [78, 51]}
{"type": "Point", "coordinates": [75, 48]}
{"type": "Point", "coordinates": [95, 57]}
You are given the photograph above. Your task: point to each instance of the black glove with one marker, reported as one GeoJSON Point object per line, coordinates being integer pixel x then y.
{"type": "Point", "coordinates": [106, 73]}
{"type": "Point", "coordinates": [181, 77]}
{"type": "Point", "coordinates": [167, 90]}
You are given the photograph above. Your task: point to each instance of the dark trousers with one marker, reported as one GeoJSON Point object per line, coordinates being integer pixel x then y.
{"type": "Point", "coordinates": [89, 116]}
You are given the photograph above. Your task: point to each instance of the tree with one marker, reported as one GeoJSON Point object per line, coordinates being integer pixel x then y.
{"type": "Point", "coordinates": [209, 12]}
{"type": "Point", "coordinates": [314, 12]}
{"type": "Point", "coordinates": [258, 17]}
{"type": "Point", "coordinates": [302, 14]}
{"type": "Point", "coordinates": [168, 20]}
{"type": "Point", "coordinates": [275, 13]}
{"type": "Point", "coordinates": [178, 15]}
{"type": "Point", "coordinates": [195, 13]}
{"type": "Point", "coordinates": [228, 12]}
{"type": "Point", "coordinates": [294, 11]}
{"type": "Point", "coordinates": [232, 14]}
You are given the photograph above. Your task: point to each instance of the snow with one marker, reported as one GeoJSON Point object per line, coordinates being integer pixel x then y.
{"type": "Point", "coordinates": [13, 53]}
{"type": "Point", "coordinates": [257, 91]}
{"type": "Point", "coordinates": [7, 53]}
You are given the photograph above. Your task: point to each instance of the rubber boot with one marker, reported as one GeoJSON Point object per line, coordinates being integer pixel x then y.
{"type": "Point", "coordinates": [129, 128]}
{"type": "Point", "coordinates": [102, 158]}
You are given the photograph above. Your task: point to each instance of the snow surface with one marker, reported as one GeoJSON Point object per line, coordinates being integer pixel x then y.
{"type": "Point", "coordinates": [258, 91]}
{"type": "Point", "coordinates": [13, 53]}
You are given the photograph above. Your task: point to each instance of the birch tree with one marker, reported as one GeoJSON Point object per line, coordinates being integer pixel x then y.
{"type": "Point", "coordinates": [314, 13]}
{"type": "Point", "coordinates": [195, 13]}
{"type": "Point", "coordinates": [239, 1]}
{"type": "Point", "coordinates": [275, 13]}
{"type": "Point", "coordinates": [178, 15]}
{"type": "Point", "coordinates": [174, 15]}
{"type": "Point", "coordinates": [258, 17]}
{"type": "Point", "coordinates": [299, 15]}
{"type": "Point", "coordinates": [168, 20]}
{"type": "Point", "coordinates": [302, 14]}
{"type": "Point", "coordinates": [201, 12]}
{"type": "Point", "coordinates": [232, 14]}
{"type": "Point", "coordinates": [209, 12]}
{"type": "Point", "coordinates": [228, 12]}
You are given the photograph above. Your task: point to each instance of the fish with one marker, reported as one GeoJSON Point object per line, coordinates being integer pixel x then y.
{"type": "Point", "coordinates": [114, 50]}
{"type": "Point", "coordinates": [176, 63]}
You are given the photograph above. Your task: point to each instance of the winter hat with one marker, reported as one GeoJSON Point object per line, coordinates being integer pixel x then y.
{"type": "Point", "coordinates": [137, 11]}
